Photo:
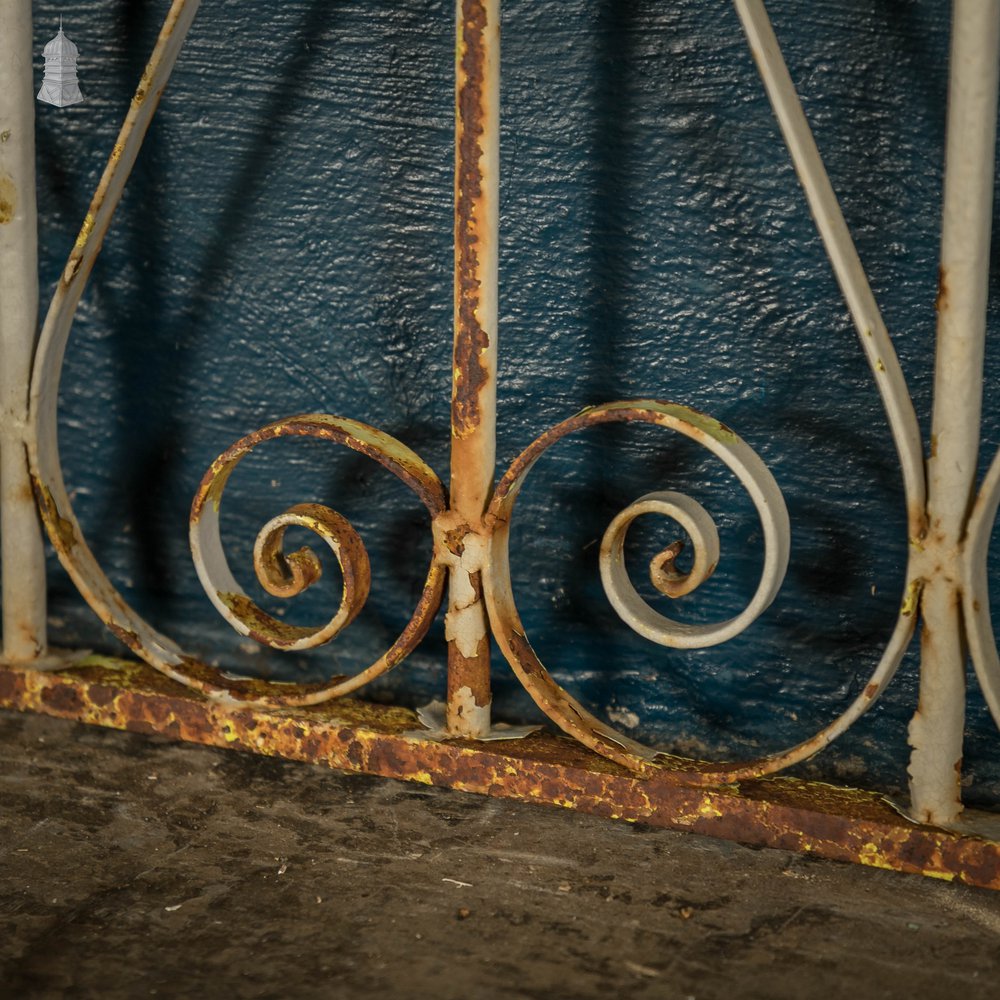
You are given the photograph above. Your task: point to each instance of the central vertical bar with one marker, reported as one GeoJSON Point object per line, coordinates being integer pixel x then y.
{"type": "Point", "coordinates": [22, 556]}
{"type": "Point", "coordinates": [473, 403]}
{"type": "Point", "coordinates": [936, 728]}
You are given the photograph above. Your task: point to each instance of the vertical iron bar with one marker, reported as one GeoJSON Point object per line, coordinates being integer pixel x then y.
{"type": "Point", "coordinates": [937, 726]}
{"type": "Point", "coordinates": [22, 556]}
{"type": "Point", "coordinates": [473, 407]}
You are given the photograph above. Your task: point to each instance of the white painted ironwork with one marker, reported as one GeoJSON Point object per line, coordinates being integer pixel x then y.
{"type": "Point", "coordinates": [21, 553]}
{"type": "Point", "coordinates": [937, 726]}
{"type": "Point", "coordinates": [945, 581]}
{"type": "Point", "coordinates": [696, 521]}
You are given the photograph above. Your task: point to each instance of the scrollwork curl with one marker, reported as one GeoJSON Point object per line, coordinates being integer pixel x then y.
{"type": "Point", "coordinates": [54, 504]}
{"type": "Point", "coordinates": [566, 711]}
{"type": "Point", "coordinates": [698, 523]}
{"type": "Point", "coordinates": [288, 575]}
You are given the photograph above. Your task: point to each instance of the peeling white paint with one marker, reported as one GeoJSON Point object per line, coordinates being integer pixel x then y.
{"type": "Point", "coordinates": [466, 714]}
{"type": "Point", "coordinates": [433, 716]}
{"type": "Point", "coordinates": [466, 626]}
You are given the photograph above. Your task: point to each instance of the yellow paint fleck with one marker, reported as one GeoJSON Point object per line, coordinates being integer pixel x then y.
{"type": "Point", "coordinates": [85, 230]}
{"type": "Point", "coordinates": [878, 365]}
{"type": "Point", "coordinates": [116, 153]}
{"type": "Point", "coordinates": [708, 809]}
{"type": "Point", "coordinates": [62, 526]}
{"type": "Point", "coordinates": [422, 776]}
{"type": "Point", "coordinates": [916, 544]}
{"type": "Point", "coordinates": [911, 599]}
{"type": "Point", "coordinates": [870, 855]}
{"type": "Point", "coordinates": [229, 732]}
{"type": "Point", "coordinates": [944, 876]}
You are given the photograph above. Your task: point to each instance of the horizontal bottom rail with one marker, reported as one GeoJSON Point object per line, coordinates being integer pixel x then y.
{"type": "Point", "coordinates": [808, 817]}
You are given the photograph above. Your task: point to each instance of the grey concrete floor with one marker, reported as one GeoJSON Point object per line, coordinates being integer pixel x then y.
{"type": "Point", "coordinates": [133, 867]}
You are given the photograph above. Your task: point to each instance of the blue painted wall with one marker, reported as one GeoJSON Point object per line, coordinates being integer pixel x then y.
{"type": "Point", "coordinates": [284, 247]}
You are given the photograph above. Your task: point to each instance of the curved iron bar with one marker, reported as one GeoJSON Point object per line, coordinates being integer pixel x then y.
{"type": "Point", "coordinates": [43, 453]}
{"type": "Point", "coordinates": [898, 405]}
{"type": "Point", "coordinates": [53, 501]}
{"type": "Point", "coordinates": [568, 713]}
{"type": "Point", "coordinates": [872, 333]}
{"type": "Point", "coordinates": [286, 576]}
{"type": "Point", "coordinates": [975, 588]}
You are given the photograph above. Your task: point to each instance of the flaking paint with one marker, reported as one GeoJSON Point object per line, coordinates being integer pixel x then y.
{"type": "Point", "coordinates": [813, 817]}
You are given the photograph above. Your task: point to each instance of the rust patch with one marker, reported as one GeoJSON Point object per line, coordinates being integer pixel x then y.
{"type": "Point", "coordinates": [454, 539]}
{"type": "Point", "coordinates": [809, 817]}
{"type": "Point", "coordinates": [871, 690]}
{"type": "Point", "coordinates": [61, 530]}
{"type": "Point", "coordinates": [8, 199]}
{"type": "Point", "coordinates": [260, 625]}
{"type": "Point", "coordinates": [941, 302]}
{"type": "Point", "coordinates": [125, 635]}
{"type": "Point", "coordinates": [142, 90]}
{"type": "Point", "coordinates": [386, 451]}
{"type": "Point", "coordinates": [470, 375]}
{"type": "Point", "coordinates": [63, 700]}
{"type": "Point", "coordinates": [147, 76]}
{"type": "Point", "coordinates": [26, 492]}
{"type": "Point", "coordinates": [72, 266]}
{"type": "Point", "coordinates": [916, 519]}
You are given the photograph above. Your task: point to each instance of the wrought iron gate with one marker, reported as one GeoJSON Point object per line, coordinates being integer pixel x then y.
{"type": "Point", "coordinates": [599, 769]}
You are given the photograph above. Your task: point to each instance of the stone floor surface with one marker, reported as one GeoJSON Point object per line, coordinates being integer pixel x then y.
{"type": "Point", "coordinates": [133, 867]}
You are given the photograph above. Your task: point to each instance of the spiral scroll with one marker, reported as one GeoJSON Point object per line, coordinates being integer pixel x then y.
{"type": "Point", "coordinates": [690, 514]}
{"type": "Point", "coordinates": [755, 478]}
{"type": "Point", "coordinates": [278, 573]}
{"type": "Point", "coordinates": [288, 575]}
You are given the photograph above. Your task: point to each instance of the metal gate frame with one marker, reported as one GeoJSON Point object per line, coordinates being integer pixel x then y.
{"type": "Point", "coordinates": [589, 766]}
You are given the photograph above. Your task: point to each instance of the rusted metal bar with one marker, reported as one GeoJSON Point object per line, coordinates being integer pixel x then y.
{"type": "Point", "coordinates": [288, 575]}
{"type": "Point", "coordinates": [22, 556]}
{"type": "Point", "coordinates": [937, 727]}
{"type": "Point", "coordinates": [624, 779]}
{"type": "Point", "coordinates": [809, 817]}
{"type": "Point", "coordinates": [473, 406]}
{"type": "Point", "coordinates": [50, 491]}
